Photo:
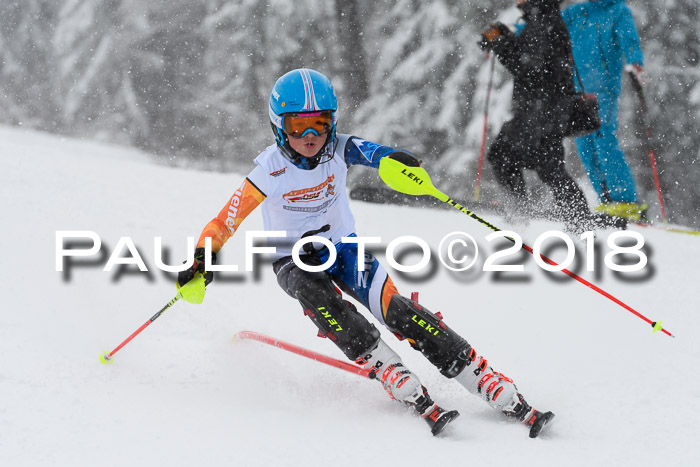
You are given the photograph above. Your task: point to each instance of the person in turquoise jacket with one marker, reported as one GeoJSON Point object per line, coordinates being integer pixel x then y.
{"type": "Point", "coordinates": [603, 33]}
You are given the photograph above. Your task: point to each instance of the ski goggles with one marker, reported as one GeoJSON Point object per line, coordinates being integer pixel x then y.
{"type": "Point", "coordinates": [300, 124]}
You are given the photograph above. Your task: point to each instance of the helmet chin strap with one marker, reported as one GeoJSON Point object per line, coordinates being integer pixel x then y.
{"type": "Point", "coordinates": [309, 163]}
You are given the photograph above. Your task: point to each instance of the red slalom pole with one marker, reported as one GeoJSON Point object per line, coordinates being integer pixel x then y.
{"type": "Point", "coordinates": [656, 326]}
{"type": "Point", "coordinates": [637, 85]}
{"type": "Point", "coordinates": [416, 181]}
{"type": "Point", "coordinates": [656, 176]}
{"type": "Point", "coordinates": [483, 135]}
{"type": "Point", "coordinates": [280, 344]}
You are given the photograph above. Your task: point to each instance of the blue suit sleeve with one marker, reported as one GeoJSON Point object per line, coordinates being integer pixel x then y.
{"type": "Point", "coordinates": [361, 152]}
{"type": "Point", "coordinates": [628, 38]}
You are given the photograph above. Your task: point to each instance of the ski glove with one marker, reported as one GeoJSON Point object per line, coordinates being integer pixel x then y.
{"type": "Point", "coordinates": [192, 281]}
{"type": "Point", "coordinates": [490, 36]}
{"type": "Point", "coordinates": [405, 157]}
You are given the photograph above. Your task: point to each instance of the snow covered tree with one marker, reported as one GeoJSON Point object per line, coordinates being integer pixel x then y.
{"type": "Point", "coordinates": [671, 44]}
{"type": "Point", "coordinates": [126, 68]}
{"type": "Point", "coordinates": [28, 64]}
{"type": "Point", "coordinates": [189, 79]}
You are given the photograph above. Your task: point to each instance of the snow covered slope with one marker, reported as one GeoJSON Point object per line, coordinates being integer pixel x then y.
{"type": "Point", "coordinates": [182, 393]}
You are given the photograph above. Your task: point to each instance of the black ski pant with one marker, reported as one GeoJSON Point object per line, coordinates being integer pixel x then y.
{"type": "Point", "coordinates": [339, 320]}
{"type": "Point", "coordinates": [524, 143]}
{"type": "Point", "coordinates": [335, 318]}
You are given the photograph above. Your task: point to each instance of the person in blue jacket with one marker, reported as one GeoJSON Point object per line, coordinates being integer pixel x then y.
{"type": "Point", "coordinates": [603, 33]}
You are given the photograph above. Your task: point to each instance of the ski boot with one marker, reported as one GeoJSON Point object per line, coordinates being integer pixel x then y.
{"type": "Point", "coordinates": [402, 385]}
{"type": "Point", "coordinates": [633, 212]}
{"type": "Point", "coordinates": [529, 416]}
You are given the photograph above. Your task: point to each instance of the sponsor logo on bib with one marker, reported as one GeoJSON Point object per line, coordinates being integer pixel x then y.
{"type": "Point", "coordinates": [314, 193]}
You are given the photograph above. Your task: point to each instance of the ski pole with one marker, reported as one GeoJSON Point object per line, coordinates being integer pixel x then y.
{"type": "Point", "coordinates": [670, 229]}
{"type": "Point", "coordinates": [477, 189]}
{"type": "Point", "coordinates": [106, 357]}
{"type": "Point", "coordinates": [280, 344]}
{"type": "Point", "coordinates": [416, 181]}
{"type": "Point", "coordinates": [637, 85]}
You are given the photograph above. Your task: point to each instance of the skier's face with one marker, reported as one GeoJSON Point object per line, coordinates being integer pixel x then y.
{"type": "Point", "coordinates": [308, 145]}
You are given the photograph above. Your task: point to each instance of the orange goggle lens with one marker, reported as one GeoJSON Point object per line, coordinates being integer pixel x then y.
{"type": "Point", "coordinates": [297, 125]}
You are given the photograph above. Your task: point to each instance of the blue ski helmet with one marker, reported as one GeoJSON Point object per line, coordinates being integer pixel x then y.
{"type": "Point", "coordinates": [299, 91]}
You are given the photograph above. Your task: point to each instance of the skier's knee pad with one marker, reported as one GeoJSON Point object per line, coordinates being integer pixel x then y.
{"type": "Point", "coordinates": [337, 319]}
{"type": "Point", "coordinates": [440, 344]}
{"type": "Point", "coordinates": [290, 276]}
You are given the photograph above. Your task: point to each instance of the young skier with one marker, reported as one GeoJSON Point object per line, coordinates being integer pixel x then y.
{"type": "Point", "coordinates": [300, 183]}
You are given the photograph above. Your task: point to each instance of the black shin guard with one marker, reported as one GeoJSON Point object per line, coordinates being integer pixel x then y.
{"type": "Point", "coordinates": [336, 319]}
{"type": "Point", "coordinates": [441, 345]}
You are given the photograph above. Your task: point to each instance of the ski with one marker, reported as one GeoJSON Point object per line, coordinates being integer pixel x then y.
{"type": "Point", "coordinates": [280, 344]}
{"type": "Point", "coordinates": [436, 417]}
{"type": "Point", "coordinates": [538, 421]}
{"type": "Point", "coordinates": [666, 228]}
